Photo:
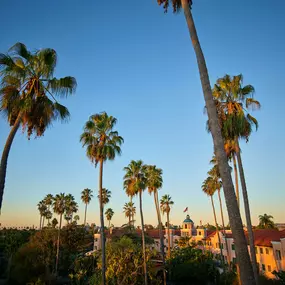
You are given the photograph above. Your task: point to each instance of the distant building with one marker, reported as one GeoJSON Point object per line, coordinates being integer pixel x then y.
{"type": "Point", "coordinates": [269, 244]}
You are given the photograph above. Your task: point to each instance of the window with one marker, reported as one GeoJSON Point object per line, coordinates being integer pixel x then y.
{"type": "Point", "coordinates": [269, 268]}
{"type": "Point", "coordinates": [234, 260]}
{"type": "Point", "coordinates": [199, 233]}
{"type": "Point", "coordinates": [216, 244]}
{"type": "Point", "coordinates": [256, 250]}
{"type": "Point", "coordinates": [96, 239]}
{"type": "Point", "coordinates": [278, 254]}
{"type": "Point", "coordinates": [233, 247]}
{"type": "Point", "coordinates": [185, 226]}
{"type": "Point", "coordinates": [261, 250]}
{"type": "Point", "coordinates": [222, 246]}
{"type": "Point", "coordinates": [267, 251]}
{"type": "Point", "coordinates": [263, 267]}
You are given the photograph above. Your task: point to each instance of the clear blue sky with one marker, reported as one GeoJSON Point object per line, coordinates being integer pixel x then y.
{"type": "Point", "coordinates": [136, 63]}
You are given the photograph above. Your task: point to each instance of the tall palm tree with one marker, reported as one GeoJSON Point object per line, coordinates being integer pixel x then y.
{"type": "Point", "coordinates": [86, 196]}
{"type": "Point", "coordinates": [102, 144]}
{"type": "Point", "coordinates": [130, 211]}
{"type": "Point", "coordinates": [246, 271]}
{"type": "Point", "coordinates": [47, 215]}
{"type": "Point", "coordinates": [165, 206]}
{"type": "Point", "coordinates": [266, 222]}
{"type": "Point", "coordinates": [54, 222]}
{"type": "Point", "coordinates": [106, 195]}
{"type": "Point", "coordinates": [234, 101]}
{"type": "Point", "coordinates": [154, 183]}
{"type": "Point", "coordinates": [59, 207]}
{"type": "Point", "coordinates": [48, 201]}
{"type": "Point", "coordinates": [42, 209]}
{"type": "Point", "coordinates": [209, 187]}
{"type": "Point", "coordinates": [135, 184]}
{"type": "Point", "coordinates": [71, 207]}
{"type": "Point", "coordinates": [215, 174]}
{"type": "Point", "coordinates": [109, 215]}
{"type": "Point", "coordinates": [28, 95]}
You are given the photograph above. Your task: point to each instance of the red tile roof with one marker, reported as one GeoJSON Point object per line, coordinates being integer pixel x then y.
{"type": "Point", "coordinates": [265, 236]}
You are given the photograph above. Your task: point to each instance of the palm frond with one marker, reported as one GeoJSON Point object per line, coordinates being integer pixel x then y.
{"type": "Point", "coordinates": [21, 50]}
{"type": "Point", "coordinates": [63, 86]}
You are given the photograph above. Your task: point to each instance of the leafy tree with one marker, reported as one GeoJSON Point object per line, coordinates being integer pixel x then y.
{"type": "Point", "coordinates": [28, 95]}
{"type": "Point", "coordinates": [165, 206]}
{"type": "Point", "coordinates": [247, 276]}
{"type": "Point", "coordinates": [233, 102]}
{"type": "Point", "coordinates": [59, 207]}
{"type": "Point", "coordinates": [109, 215]}
{"type": "Point", "coordinates": [47, 215]}
{"type": "Point", "coordinates": [183, 241]}
{"type": "Point", "coordinates": [102, 144]}
{"type": "Point", "coordinates": [191, 266]}
{"type": "Point", "coordinates": [125, 265]}
{"type": "Point", "coordinates": [135, 184]}
{"type": "Point", "coordinates": [86, 196]}
{"type": "Point", "coordinates": [266, 222]}
{"type": "Point", "coordinates": [154, 183]}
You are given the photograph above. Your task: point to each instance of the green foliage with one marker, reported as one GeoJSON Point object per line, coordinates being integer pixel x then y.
{"type": "Point", "coordinates": [191, 266]}
{"type": "Point", "coordinates": [125, 263]}
{"type": "Point", "coordinates": [36, 258]}
{"type": "Point", "coordinates": [266, 222]}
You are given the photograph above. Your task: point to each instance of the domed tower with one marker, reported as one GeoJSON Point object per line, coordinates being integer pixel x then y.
{"type": "Point", "coordinates": [188, 228]}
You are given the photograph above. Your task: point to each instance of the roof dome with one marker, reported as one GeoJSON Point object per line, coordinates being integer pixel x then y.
{"type": "Point", "coordinates": [188, 220]}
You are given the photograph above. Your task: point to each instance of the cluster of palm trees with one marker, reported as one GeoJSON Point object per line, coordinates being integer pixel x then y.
{"type": "Point", "coordinates": [233, 101]}
{"type": "Point", "coordinates": [29, 98]}
{"type": "Point", "coordinates": [138, 177]}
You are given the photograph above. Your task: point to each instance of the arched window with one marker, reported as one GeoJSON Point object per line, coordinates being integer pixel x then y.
{"type": "Point", "coordinates": [185, 226]}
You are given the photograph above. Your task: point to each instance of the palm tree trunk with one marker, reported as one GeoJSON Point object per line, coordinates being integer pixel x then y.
{"type": "Point", "coordinates": [5, 155]}
{"type": "Point", "coordinates": [217, 228]}
{"type": "Point", "coordinates": [247, 276]}
{"type": "Point", "coordinates": [109, 224]}
{"type": "Point", "coordinates": [143, 240]}
{"type": "Point", "coordinates": [161, 237]}
{"type": "Point", "coordinates": [102, 224]}
{"type": "Point", "coordinates": [85, 214]}
{"type": "Point", "coordinates": [43, 222]}
{"type": "Point", "coordinates": [236, 179]}
{"type": "Point", "coordinates": [40, 222]}
{"type": "Point", "coordinates": [223, 223]}
{"type": "Point", "coordinates": [168, 234]}
{"type": "Point", "coordinates": [247, 214]}
{"type": "Point", "coordinates": [57, 247]}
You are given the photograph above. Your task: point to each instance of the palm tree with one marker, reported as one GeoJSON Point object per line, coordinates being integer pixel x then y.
{"type": "Point", "coordinates": [154, 183]}
{"type": "Point", "coordinates": [103, 143]}
{"type": "Point", "coordinates": [86, 196]}
{"type": "Point", "coordinates": [135, 184]}
{"type": "Point", "coordinates": [59, 207]}
{"type": "Point", "coordinates": [165, 206]}
{"type": "Point", "coordinates": [209, 187]}
{"type": "Point", "coordinates": [215, 174]}
{"type": "Point", "coordinates": [130, 211]}
{"type": "Point", "coordinates": [233, 101]}
{"type": "Point", "coordinates": [266, 222]}
{"type": "Point", "coordinates": [106, 195]}
{"type": "Point", "coordinates": [109, 215]}
{"type": "Point", "coordinates": [54, 222]}
{"type": "Point", "coordinates": [76, 219]}
{"type": "Point", "coordinates": [27, 95]}
{"type": "Point", "coordinates": [246, 271]}
{"type": "Point", "coordinates": [48, 201]}
{"type": "Point", "coordinates": [71, 207]}
{"type": "Point", "coordinates": [47, 215]}
{"type": "Point", "coordinates": [42, 209]}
